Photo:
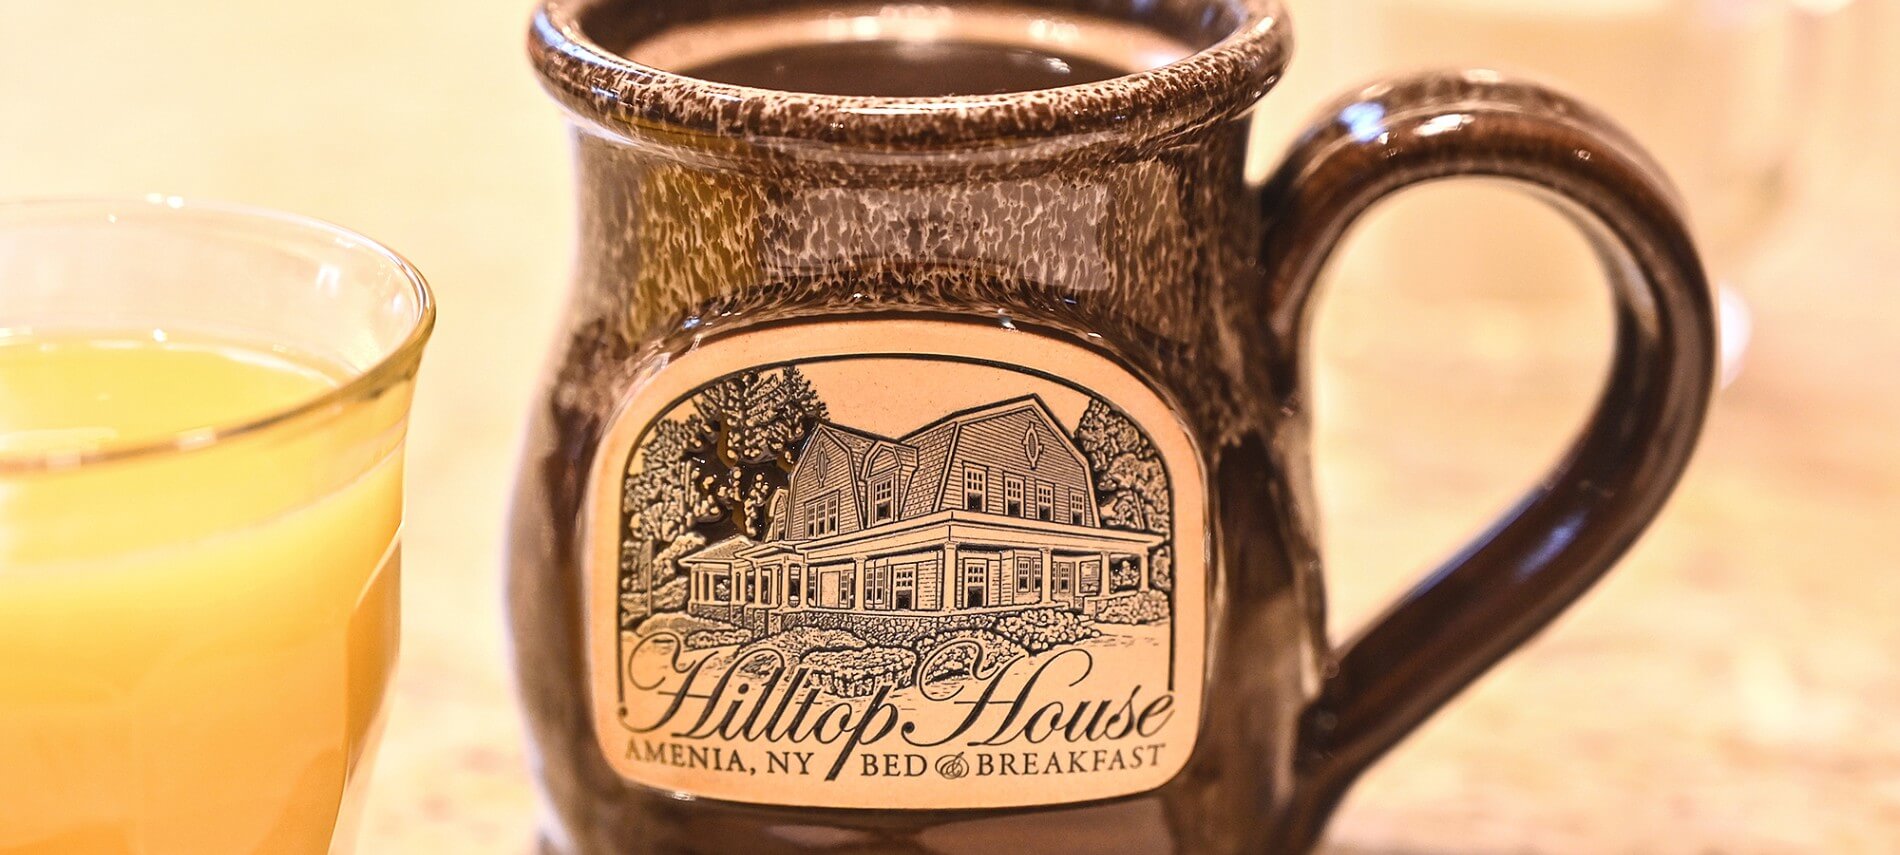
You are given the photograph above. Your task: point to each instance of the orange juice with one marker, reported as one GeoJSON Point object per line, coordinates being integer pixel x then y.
{"type": "Point", "coordinates": [194, 643]}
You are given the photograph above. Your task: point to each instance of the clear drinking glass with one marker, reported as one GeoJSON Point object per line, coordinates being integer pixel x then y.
{"type": "Point", "coordinates": [202, 413]}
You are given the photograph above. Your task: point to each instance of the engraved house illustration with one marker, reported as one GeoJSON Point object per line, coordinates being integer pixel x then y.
{"type": "Point", "coordinates": [983, 511]}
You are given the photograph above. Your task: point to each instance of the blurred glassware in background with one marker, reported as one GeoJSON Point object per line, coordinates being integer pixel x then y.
{"type": "Point", "coordinates": [1725, 93]}
{"type": "Point", "coordinates": [1857, 45]}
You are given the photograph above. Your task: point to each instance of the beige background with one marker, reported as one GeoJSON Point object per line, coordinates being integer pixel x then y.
{"type": "Point", "coordinates": [1732, 689]}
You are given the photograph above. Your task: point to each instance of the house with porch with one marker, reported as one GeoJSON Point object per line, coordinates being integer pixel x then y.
{"type": "Point", "coordinates": [987, 510]}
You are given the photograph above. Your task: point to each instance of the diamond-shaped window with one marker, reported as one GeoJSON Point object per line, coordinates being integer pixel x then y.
{"type": "Point", "coordinates": [1032, 446]}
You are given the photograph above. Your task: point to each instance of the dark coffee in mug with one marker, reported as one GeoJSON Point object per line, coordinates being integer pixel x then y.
{"type": "Point", "coordinates": [924, 464]}
{"type": "Point", "coordinates": [909, 52]}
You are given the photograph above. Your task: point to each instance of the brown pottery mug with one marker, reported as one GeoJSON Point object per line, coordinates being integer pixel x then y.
{"type": "Point", "coordinates": [924, 468]}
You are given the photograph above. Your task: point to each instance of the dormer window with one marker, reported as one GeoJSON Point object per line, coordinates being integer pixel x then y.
{"type": "Point", "coordinates": [884, 499]}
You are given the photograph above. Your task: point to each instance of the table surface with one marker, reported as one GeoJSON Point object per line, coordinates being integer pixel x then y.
{"type": "Point", "coordinates": [1732, 688]}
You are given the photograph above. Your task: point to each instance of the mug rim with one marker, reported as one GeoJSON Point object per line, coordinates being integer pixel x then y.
{"type": "Point", "coordinates": [1218, 81]}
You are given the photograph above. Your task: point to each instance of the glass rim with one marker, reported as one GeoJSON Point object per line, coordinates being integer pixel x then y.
{"type": "Point", "coordinates": [395, 364]}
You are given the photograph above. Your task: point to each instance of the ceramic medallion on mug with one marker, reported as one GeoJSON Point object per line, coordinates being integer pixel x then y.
{"type": "Point", "coordinates": [924, 468]}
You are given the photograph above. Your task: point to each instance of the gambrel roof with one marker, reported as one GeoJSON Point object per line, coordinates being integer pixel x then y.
{"type": "Point", "coordinates": [936, 445]}
{"type": "Point", "coordinates": [930, 449]}
{"type": "Point", "coordinates": [857, 443]}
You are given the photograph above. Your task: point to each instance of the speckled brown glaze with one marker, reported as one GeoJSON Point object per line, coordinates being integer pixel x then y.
{"type": "Point", "coordinates": [1114, 214]}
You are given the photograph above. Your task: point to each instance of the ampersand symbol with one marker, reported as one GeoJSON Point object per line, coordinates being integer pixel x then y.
{"type": "Point", "coordinates": [953, 766]}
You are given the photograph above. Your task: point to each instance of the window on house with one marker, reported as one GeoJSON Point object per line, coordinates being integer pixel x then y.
{"type": "Point", "coordinates": [976, 488]}
{"type": "Point", "coordinates": [1012, 495]}
{"type": "Point", "coordinates": [1045, 501]}
{"type": "Point", "coordinates": [1026, 579]}
{"type": "Point", "coordinates": [793, 586]}
{"type": "Point", "coordinates": [821, 515]}
{"type": "Point", "coordinates": [975, 582]}
{"type": "Point", "coordinates": [904, 587]}
{"type": "Point", "coordinates": [1078, 512]}
{"type": "Point", "coordinates": [874, 585]}
{"type": "Point", "coordinates": [884, 499]}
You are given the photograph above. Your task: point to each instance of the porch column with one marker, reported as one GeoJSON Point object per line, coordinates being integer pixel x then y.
{"type": "Point", "coordinates": [1107, 585]}
{"type": "Point", "coordinates": [857, 583]}
{"type": "Point", "coordinates": [1141, 564]}
{"type": "Point", "coordinates": [950, 578]}
{"type": "Point", "coordinates": [1047, 592]}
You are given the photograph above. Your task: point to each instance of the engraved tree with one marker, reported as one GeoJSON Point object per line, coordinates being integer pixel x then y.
{"type": "Point", "coordinates": [662, 500]}
{"type": "Point", "coordinates": [709, 475]}
{"type": "Point", "coordinates": [1131, 485]}
{"type": "Point", "coordinates": [748, 426]}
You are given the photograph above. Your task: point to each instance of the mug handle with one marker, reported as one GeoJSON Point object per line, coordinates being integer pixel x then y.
{"type": "Point", "coordinates": [1577, 522]}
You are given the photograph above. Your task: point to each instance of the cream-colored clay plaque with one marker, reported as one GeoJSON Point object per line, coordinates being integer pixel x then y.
{"type": "Point", "coordinates": [896, 564]}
